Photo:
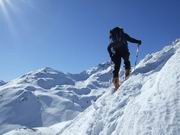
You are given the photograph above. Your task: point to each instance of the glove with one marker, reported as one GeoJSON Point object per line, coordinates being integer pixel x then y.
{"type": "Point", "coordinates": [139, 42]}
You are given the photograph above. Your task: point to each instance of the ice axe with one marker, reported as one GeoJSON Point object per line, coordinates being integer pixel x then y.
{"type": "Point", "coordinates": [137, 55]}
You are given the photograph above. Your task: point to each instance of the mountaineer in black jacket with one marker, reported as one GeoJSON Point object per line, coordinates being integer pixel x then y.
{"type": "Point", "coordinates": [118, 48]}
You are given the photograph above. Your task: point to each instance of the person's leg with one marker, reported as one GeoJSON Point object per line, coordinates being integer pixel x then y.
{"type": "Point", "coordinates": [117, 62]}
{"type": "Point", "coordinates": [127, 64]}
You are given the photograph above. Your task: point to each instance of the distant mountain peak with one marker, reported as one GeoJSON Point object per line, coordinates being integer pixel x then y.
{"type": "Point", "coordinates": [99, 67]}
{"type": "Point", "coordinates": [2, 82]}
{"type": "Point", "coordinates": [48, 69]}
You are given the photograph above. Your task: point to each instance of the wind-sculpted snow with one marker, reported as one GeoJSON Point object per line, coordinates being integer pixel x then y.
{"type": "Point", "coordinates": [147, 103]}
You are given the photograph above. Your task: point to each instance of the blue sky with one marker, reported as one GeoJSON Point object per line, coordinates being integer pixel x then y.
{"type": "Point", "coordinates": [72, 35]}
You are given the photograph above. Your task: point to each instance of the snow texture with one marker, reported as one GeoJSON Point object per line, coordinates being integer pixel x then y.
{"type": "Point", "coordinates": [147, 103]}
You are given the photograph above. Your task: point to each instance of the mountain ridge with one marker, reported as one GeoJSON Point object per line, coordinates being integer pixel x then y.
{"type": "Point", "coordinates": [54, 96]}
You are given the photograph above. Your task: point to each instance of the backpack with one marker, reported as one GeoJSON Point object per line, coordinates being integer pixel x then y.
{"type": "Point", "coordinates": [117, 39]}
{"type": "Point", "coordinates": [116, 35]}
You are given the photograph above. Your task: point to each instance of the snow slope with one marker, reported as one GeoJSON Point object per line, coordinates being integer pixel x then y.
{"type": "Point", "coordinates": [45, 97]}
{"type": "Point", "coordinates": [148, 103]}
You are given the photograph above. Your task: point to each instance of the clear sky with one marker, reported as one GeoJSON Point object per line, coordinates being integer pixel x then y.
{"type": "Point", "coordinates": [72, 35]}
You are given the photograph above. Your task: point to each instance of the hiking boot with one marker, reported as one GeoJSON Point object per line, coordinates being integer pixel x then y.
{"type": "Point", "coordinates": [116, 83]}
{"type": "Point", "coordinates": [127, 73]}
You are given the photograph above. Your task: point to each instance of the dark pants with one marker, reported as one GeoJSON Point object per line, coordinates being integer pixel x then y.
{"type": "Point", "coordinates": [124, 53]}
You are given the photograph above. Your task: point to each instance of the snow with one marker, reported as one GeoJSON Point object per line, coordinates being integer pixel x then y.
{"type": "Point", "coordinates": [46, 96]}
{"type": "Point", "coordinates": [147, 103]}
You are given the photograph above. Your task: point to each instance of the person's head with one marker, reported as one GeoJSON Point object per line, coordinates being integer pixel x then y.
{"type": "Point", "coordinates": [116, 29]}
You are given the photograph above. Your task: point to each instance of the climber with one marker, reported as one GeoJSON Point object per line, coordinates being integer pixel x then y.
{"type": "Point", "coordinates": [118, 48]}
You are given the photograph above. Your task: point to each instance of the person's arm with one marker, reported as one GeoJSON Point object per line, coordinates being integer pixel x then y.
{"type": "Point", "coordinates": [109, 50]}
{"type": "Point", "coordinates": [132, 40]}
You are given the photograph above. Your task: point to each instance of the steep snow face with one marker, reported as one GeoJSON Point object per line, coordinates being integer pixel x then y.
{"type": "Point", "coordinates": [46, 96]}
{"type": "Point", "coordinates": [147, 103]}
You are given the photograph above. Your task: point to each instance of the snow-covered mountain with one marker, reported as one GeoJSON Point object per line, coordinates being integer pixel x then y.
{"type": "Point", "coordinates": [147, 103]}
{"type": "Point", "coordinates": [47, 96]}
{"type": "Point", "coordinates": [2, 82]}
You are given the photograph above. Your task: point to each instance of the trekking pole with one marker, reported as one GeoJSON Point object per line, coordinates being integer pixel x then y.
{"type": "Point", "coordinates": [137, 55]}
{"type": "Point", "coordinates": [111, 71]}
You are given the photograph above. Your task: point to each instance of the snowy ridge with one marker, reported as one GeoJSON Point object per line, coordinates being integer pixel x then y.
{"type": "Point", "coordinates": [147, 103]}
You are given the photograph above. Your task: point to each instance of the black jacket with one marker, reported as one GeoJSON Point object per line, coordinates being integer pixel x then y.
{"type": "Point", "coordinates": [124, 46]}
